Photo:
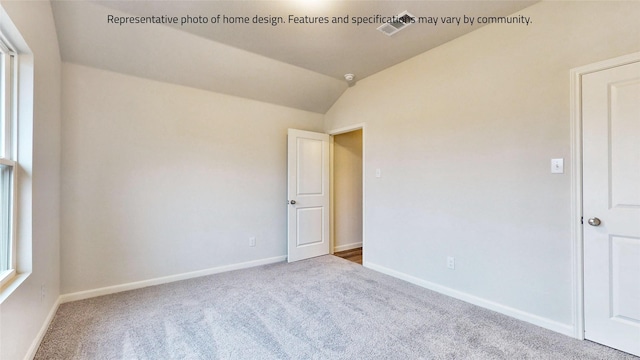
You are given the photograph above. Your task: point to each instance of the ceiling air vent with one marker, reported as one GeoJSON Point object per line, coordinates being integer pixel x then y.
{"type": "Point", "coordinates": [399, 22]}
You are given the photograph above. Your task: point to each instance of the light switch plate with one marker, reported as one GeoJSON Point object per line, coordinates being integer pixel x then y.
{"type": "Point", "coordinates": [557, 166]}
{"type": "Point", "coordinates": [378, 173]}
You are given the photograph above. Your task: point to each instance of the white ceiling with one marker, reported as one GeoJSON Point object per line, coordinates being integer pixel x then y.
{"type": "Point", "coordinates": [295, 65]}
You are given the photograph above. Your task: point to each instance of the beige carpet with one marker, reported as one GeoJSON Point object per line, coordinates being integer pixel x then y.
{"type": "Point", "coordinates": [322, 308]}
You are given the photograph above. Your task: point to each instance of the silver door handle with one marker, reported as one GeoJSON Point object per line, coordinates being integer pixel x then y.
{"type": "Point", "coordinates": [292, 202]}
{"type": "Point", "coordinates": [594, 221]}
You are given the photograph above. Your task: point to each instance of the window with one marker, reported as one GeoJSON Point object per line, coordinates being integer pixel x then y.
{"type": "Point", "coordinates": [8, 165]}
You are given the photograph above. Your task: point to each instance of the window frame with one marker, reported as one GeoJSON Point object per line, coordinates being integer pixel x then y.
{"type": "Point", "coordinates": [8, 154]}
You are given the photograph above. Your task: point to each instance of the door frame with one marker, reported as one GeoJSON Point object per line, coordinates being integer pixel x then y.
{"type": "Point", "coordinates": [332, 133]}
{"type": "Point", "coordinates": [577, 236]}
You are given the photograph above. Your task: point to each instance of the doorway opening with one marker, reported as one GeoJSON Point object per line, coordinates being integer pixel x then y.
{"type": "Point", "coordinates": [347, 198]}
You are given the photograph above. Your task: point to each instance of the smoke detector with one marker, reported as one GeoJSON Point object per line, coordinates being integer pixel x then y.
{"type": "Point", "coordinates": [399, 22]}
{"type": "Point", "coordinates": [350, 78]}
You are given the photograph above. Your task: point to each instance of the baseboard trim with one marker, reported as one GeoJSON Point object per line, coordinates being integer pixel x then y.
{"type": "Point", "coordinates": [346, 247]}
{"type": "Point", "coordinates": [81, 295]}
{"type": "Point", "coordinates": [475, 300]}
{"type": "Point", "coordinates": [33, 349]}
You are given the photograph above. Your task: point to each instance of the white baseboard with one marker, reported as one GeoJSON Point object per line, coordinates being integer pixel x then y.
{"type": "Point", "coordinates": [31, 353]}
{"type": "Point", "coordinates": [347, 247]}
{"type": "Point", "coordinates": [564, 329]}
{"type": "Point", "coordinates": [81, 295]}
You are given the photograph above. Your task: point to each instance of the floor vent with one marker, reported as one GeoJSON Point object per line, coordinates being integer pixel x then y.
{"type": "Point", "coordinates": [400, 22]}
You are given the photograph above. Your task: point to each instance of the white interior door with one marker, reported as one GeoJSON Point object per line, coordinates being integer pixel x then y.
{"type": "Point", "coordinates": [611, 200]}
{"type": "Point", "coordinates": [308, 192]}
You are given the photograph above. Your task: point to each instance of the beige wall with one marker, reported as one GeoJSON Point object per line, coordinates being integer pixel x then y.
{"type": "Point", "coordinates": [161, 179]}
{"type": "Point", "coordinates": [347, 190]}
{"type": "Point", "coordinates": [464, 135]}
{"type": "Point", "coordinates": [23, 313]}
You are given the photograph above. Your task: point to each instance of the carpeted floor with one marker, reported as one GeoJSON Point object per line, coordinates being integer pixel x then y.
{"type": "Point", "coordinates": [322, 308]}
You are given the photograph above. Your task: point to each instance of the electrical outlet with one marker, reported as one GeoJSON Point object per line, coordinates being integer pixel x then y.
{"type": "Point", "coordinates": [252, 241]}
{"type": "Point", "coordinates": [43, 292]}
{"type": "Point", "coordinates": [451, 262]}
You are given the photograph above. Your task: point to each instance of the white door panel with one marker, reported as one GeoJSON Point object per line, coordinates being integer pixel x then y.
{"type": "Point", "coordinates": [308, 192]}
{"type": "Point", "coordinates": [611, 193]}
{"type": "Point", "coordinates": [309, 162]}
{"type": "Point", "coordinates": [309, 229]}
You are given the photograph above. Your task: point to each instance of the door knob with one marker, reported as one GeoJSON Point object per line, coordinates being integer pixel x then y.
{"type": "Point", "coordinates": [292, 202]}
{"type": "Point", "coordinates": [594, 221]}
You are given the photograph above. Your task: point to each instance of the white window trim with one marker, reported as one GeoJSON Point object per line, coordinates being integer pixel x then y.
{"type": "Point", "coordinates": [23, 151]}
{"type": "Point", "coordinates": [10, 95]}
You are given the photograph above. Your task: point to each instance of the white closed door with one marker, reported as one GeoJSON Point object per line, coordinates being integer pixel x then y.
{"type": "Point", "coordinates": [611, 206]}
{"type": "Point", "coordinates": [308, 194]}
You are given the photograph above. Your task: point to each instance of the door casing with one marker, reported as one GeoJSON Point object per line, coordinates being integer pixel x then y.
{"type": "Point", "coordinates": [577, 238]}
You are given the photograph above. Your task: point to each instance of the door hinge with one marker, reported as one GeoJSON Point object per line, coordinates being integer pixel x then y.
{"type": "Point", "coordinates": [581, 219]}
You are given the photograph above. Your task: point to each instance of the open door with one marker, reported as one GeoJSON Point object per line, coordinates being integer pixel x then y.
{"type": "Point", "coordinates": [308, 194]}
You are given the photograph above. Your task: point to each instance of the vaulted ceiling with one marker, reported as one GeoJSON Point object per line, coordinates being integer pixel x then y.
{"type": "Point", "coordinates": [294, 63]}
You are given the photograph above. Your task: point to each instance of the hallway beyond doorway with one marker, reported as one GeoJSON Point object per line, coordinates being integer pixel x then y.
{"type": "Point", "coordinates": [354, 255]}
